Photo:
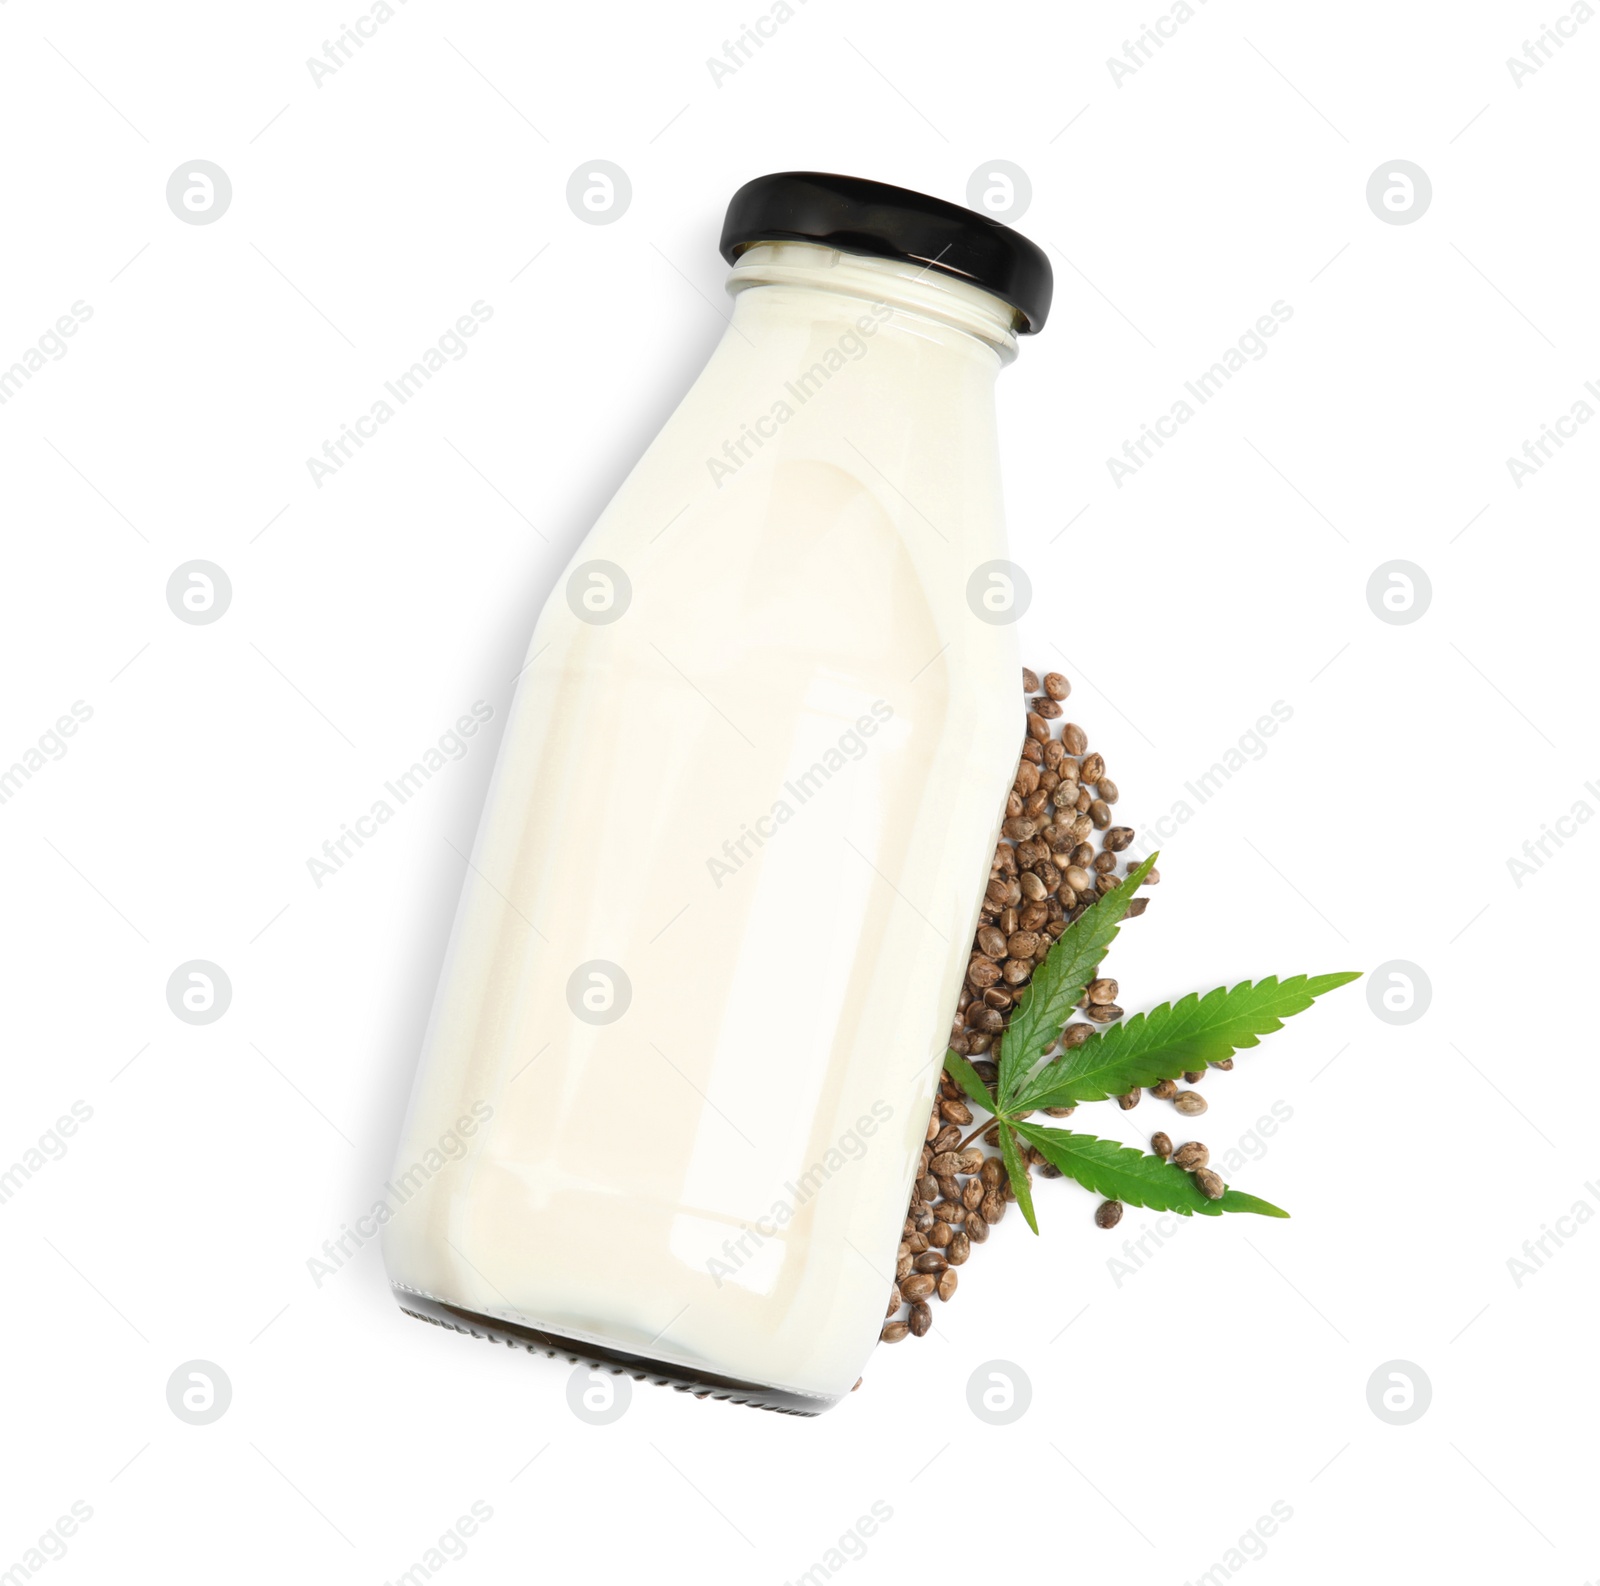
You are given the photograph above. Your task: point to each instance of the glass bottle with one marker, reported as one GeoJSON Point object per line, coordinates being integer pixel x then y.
{"type": "Point", "coordinates": [679, 1069]}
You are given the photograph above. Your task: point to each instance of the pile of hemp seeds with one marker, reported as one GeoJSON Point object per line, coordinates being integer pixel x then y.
{"type": "Point", "coordinates": [1045, 873]}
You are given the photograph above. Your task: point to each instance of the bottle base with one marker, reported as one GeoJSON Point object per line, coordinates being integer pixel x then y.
{"type": "Point", "coordinates": [538, 1341]}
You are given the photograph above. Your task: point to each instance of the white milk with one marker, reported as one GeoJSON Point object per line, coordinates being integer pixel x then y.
{"type": "Point", "coordinates": [762, 777]}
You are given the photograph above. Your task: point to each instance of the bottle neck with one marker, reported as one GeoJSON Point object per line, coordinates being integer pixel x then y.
{"type": "Point", "coordinates": [855, 279]}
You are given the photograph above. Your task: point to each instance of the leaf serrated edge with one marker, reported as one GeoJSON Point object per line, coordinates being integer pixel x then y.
{"type": "Point", "coordinates": [1183, 1187]}
{"type": "Point", "coordinates": [966, 1076]}
{"type": "Point", "coordinates": [1237, 1201]}
{"type": "Point", "coordinates": [1072, 1085]}
{"type": "Point", "coordinates": [1232, 1200]}
{"type": "Point", "coordinates": [1024, 1030]}
{"type": "Point", "coordinates": [1017, 1172]}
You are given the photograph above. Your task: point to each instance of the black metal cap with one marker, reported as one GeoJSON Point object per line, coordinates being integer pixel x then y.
{"type": "Point", "coordinates": [858, 216]}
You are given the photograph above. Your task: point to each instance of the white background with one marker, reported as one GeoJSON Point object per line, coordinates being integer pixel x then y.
{"type": "Point", "coordinates": [368, 213]}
